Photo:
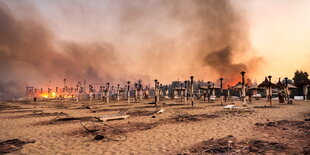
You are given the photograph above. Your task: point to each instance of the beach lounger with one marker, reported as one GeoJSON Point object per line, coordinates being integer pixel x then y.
{"type": "Point", "coordinates": [238, 108]}
{"type": "Point", "coordinates": [229, 107]}
{"type": "Point", "coordinates": [245, 108]}
{"type": "Point", "coordinates": [298, 97]}
{"type": "Point", "coordinates": [160, 111]}
{"type": "Point", "coordinates": [120, 115]}
{"type": "Point", "coordinates": [212, 98]}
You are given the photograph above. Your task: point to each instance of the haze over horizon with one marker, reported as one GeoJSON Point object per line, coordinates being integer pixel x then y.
{"type": "Point", "coordinates": [117, 41]}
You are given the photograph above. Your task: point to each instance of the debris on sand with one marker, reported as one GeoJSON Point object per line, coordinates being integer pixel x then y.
{"type": "Point", "coordinates": [12, 145]}
{"type": "Point", "coordinates": [259, 146]}
{"type": "Point", "coordinates": [40, 113]}
{"type": "Point", "coordinates": [142, 112]}
{"type": "Point", "coordinates": [266, 106]}
{"type": "Point", "coordinates": [67, 119]}
{"type": "Point", "coordinates": [214, 146]}
{"type": "Point", "coordinates": [281, 122]}
{"type": "Point", "coordinates": [19, 111]}
{"type": "Point", "coordinates": [6, 106]}
{"type": "Point", "coordinates": [112, 132]}
{"type": "Point", "coordinates": [44, 114]}
{"type": "Point", "coordinates": [96, 110]}
{"type": "Point", "coordinates": [286, 130]}
{"type": "Point", "coordinates": [229, 144]}
{"type": "Point", "coordinates": [180, 116]}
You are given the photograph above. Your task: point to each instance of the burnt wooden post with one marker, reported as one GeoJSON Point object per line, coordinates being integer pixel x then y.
{"type": "Point", "coordinates": [101, 90]}
{"type": "Point", "coordinates": [243, 87]}
{"type": "Point", "coordinates": [90, 93]}
{"type": "Point", "coordinates": [221, 91]}
{"type": "Point", "coordinates": [117, 92]}
{"type": "Point", "coordinates": [209, 91]}
{"type": "Point", "coordinates": [160, 91]}
{"type": "Point", "coordinates": [305, 91]}
{"type": "Point", "coordinates": [27, 92]}
{"type": "Point", "coordinates": [171, 93]}
{"type": "Point", "coordinates": [41, 92]}
{"type": "Point", "coordinates": [270, 90]}
{"type": "Point", "coordinates": [185, 91]}
{"type": "Point", "coordinates": [77, 93]}
{"type": "Point", "coordinates": [140, 90]}
{"type": "Point", "coordinates": [108, 92]}
{"type": "Point", "coordinates": [181, 92]}
{"type": "Point", "coordinates": [136, 92]}
{"type": "Point", "coordinates": [286, 89]}
{"type": "Point", "coordinates": [192, 90]}
{"type": "Point", "coordinates": [35, 92]}
{"type": "Point", "coordinates": [65, 80]}
{"type": "Point", "coordinates": [84, 88]}
{"type": "Point", "coordinates": [112, 92]}
{"type": "Point", "coordinates": [199, 93]}
{"type": "Point", "coordinates": [188, 89]}
{"type": "Point", "coordinates": [56, 92]}
{"type": "Point", "coordinates": [128, 92]}
{"type": "Point", "coordinates": [146, 95]}
{"type": "Point", "coordinates": [281, 99]}
{"type": "Point", "coordinates": [48, 93]}
{"type": "Point", "coordinates": [156, 98]}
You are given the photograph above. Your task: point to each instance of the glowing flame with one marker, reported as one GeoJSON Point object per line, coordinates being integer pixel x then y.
{"type": "Point", "coordinates": [46, 95]}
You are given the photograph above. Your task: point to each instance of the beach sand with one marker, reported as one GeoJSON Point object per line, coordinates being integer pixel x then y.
{"type": "Point", "coordinates": [178, 129]}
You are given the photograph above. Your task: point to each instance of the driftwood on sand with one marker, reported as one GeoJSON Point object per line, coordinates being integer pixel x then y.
{"type": "Point", "coordinates": [12, 145]}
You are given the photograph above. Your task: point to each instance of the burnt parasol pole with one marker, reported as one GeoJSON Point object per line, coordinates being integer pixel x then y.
{"type": "Point", "coordinates": [305, 91]}
{"type": "Point", "coordinates": [48, 93]}
{"type": "Point", "coordinates": [140, 89]}
{"type": "Point", "coordinates": [41, 92]}
{"type": "Point", "coordinates": [188, 90]}
{"type": "Point", "coordinates": [27, 92]}
{"type": "Point", "coordinates": [286, 88]}
{"type": "Point", "coordinates": [199, 92]}
{"type": "Point", "coordinates": [112, 91]}
{"type": "Point", "coordinates": [90, 92]}
{"type": "Point", "coordinates": [270, 91]}
{"type": "Point", "coordinates": [185, 91]}
{"type": "Point", "coordinates": [156, 98]}
{"type": "Point", "coordinates": [64, 90]}
{"type": "Point", "coordinates": [181, 92]}
{"type": "Point", "coordinates": [213, 89]}
{"type": "Point", "coordinates": [160, 91]}
{"type": "Point", "coordinates": [209, 91]}
{"type": "Point", "coordinates": [108, 92]}
{"type": "Point", "coordinates": [101, 90]}
{"type": "Point", "coordinates": [192, 90]}
{"type": "Point", "coordinates": [117, 92]}
{"type": "Point", "coordinates": [84, 89]}
{"type": "Point", "coordinates": [77, 92]}
{"type": "Point", "coordinates": [128, 93]}
{"type": "Point", "coordinates": [56, 93]}
{"type": "Point", "coordinates": [243, 87]}
{"type": "Point", "coordinates": [221, 92]}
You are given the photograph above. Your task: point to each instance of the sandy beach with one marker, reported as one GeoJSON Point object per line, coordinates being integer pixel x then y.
{"type": "Point", "coordinates": [179, 129]}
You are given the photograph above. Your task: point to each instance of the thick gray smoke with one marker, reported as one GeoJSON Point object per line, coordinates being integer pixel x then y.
{"type": "Point", "coordinates": [172, 39]}
{"type": "Point", "coordinates": [28, 56]}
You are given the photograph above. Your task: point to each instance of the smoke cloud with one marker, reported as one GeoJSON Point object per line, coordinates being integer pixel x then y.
{"type": "Point", "coordinates": [153, 39]}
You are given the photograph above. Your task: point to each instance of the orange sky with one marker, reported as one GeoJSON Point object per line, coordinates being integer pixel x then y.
{"type": "Point", "coordinates": [280, 32]}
